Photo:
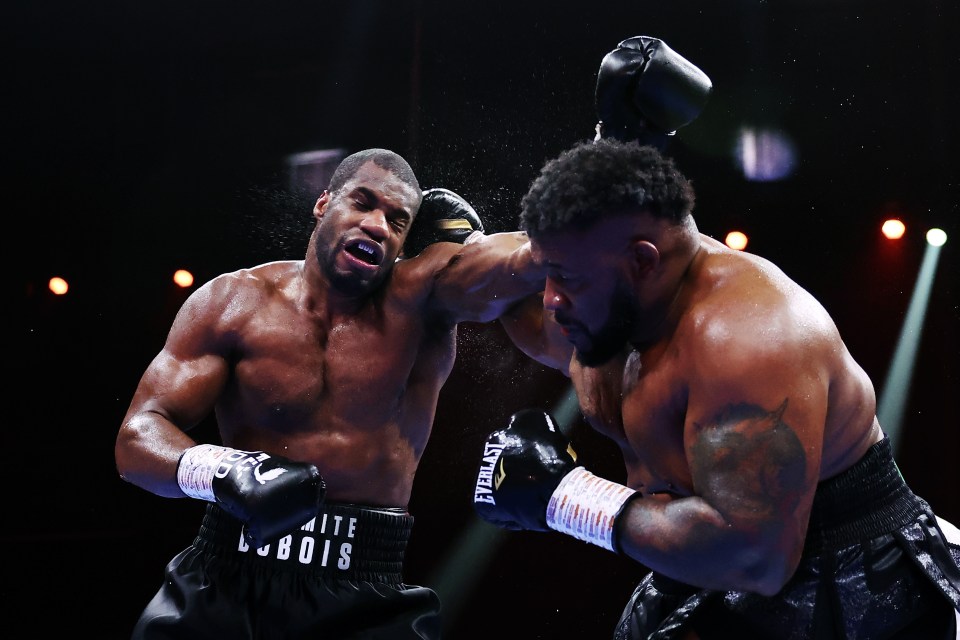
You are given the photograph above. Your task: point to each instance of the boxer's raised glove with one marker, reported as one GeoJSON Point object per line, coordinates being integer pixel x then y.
{"type": "Point", "coordinates": [529, 479]}
{"type": "Point", "coordinates": [444, 216]}
{"type": "Point", "coordinates": [646, 91]}
{"type": "Point", "coordinates": [270, 495]}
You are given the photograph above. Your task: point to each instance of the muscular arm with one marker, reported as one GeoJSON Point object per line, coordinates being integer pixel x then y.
{"type": "Point", "coordinates": [177, 390]}
{"type": "Point", "coordinates": [753, 435]}
{"type": "Point", "coordinates": [479, 280]}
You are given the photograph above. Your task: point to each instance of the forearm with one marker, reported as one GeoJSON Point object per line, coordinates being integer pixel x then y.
{"type": "Point", "coordinates": [147, 450]}
{"type": "Point", "coordinates": [488, 276]}
{"type": "Point", "coordinates": [690, 541]}
{"type": "Point", "coordinates": [270, 494]}
{"type": "Point", "coordinates": [528, 478]}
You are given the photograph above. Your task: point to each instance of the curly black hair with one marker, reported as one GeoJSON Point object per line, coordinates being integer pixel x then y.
{"type": "Point", "coordinates": [594, 179]}
{"type": "Point", "coordinates": [383, 158]}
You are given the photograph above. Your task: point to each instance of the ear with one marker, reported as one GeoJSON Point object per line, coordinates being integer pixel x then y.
{"type": "Point", "coordinates": [321, 206]}
{"type": "Point", "coordinates": [646, 257]}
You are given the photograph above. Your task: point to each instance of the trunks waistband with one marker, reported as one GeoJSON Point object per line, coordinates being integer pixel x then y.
{"type": "Point", "coordinates": [344, 542]}
{"type": "Point", "coordinates": [867, 500]}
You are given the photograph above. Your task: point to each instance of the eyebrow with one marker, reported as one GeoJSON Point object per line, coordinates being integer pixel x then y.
{"type": "Point", "coordinates": [365, 191]}
{"type": "Point", "coordinates": [370, 194]}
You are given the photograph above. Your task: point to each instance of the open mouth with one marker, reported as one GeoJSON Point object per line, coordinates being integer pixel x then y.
{"type": "Point", "coordinates": [365, 251]}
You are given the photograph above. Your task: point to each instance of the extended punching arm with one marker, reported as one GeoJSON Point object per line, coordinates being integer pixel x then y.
{"type": "Point", "coordinates": [646, 91]}
{"type": "Point", "coordinates": [271, 495]}
{"type": "Point", "coordinates": [529, 480]}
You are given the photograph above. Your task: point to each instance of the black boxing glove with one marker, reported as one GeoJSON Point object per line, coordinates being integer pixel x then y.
{"type": "Point", "coordinates": [646, 91]}
{"type": "Point", "coordinates": [270, 495]}
{"type": "Point", "coordinates": [529, 480]}
{"type": "Point", "coordinates": [443, 216]}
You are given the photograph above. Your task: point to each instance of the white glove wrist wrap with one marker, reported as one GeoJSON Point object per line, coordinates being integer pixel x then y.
{"type": "Point", "coordinates": [584, 506]}
{"type": "Point", "coordinates": [196, 470]}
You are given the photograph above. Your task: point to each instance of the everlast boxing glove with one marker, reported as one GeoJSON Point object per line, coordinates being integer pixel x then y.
{"type": "Point", "coordinates": [529, 479]}
{"type": "Point", "coordinates": [443, 217]}
{"type": "Point", "coordinates": [646, 91]}
{"type": "Point", "coordinates": [270, 495]}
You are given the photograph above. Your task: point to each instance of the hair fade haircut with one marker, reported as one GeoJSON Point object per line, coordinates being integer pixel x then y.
{"type": "Point", "coordinates": [593, 179]}
{"type": "Point", "coordinates": [383, 158]}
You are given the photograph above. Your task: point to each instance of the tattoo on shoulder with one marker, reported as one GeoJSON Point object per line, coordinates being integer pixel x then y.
{"type": "Point", "coordinates": [751, 461]}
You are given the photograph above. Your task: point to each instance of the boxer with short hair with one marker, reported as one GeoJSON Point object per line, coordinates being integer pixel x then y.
{"type": "Point", "coordinates": [761, 490]}
{"type": "Point", "coordinates": [323, 375]}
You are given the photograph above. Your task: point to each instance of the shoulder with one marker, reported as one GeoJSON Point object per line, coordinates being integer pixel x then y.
{"type": "Point", "coordinates": [746, 310]}
{"type": "Point", "coordinates": [240, 292]}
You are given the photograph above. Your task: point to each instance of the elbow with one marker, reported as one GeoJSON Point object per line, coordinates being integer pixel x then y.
{"type": "Point", "coordinates": [121, 450]}
{"type": "Point", "coordinates": [767, 572]}
{"type": "Point", "coordinates": [130, 441]}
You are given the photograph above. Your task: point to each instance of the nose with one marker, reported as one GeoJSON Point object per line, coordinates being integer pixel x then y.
{"type": "Point", "coordinates": [375, 225]}
{"type": "Point", "coordinates": [553, 298]}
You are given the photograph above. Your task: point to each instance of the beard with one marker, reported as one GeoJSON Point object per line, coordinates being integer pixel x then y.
{"type": "Point", "coordinates": [347, 283]}
{"type": "Point", "coordinates": [610, 339]}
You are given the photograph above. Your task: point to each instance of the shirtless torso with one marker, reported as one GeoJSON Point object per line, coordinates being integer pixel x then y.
{"type": "Point", "coordinates": [322, 387]}
{"type": "Point", "coordinates": [298, 367]}
{"type": "Point", "coordinates": [649, 402]}
{"type": "Point", "coordinates": [737, 401]}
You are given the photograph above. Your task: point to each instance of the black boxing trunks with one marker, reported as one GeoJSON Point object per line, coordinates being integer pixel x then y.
{"type": "Point", "coordinates": [875, 565]}
{"type": "Point", "coordinates": [338, 576]}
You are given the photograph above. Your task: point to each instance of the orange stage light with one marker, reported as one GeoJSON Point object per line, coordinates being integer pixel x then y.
{"type": "Point", "coordinates": [183, 278]}
{"type": "Point", "coordinates": [58, 285]}
{"type": "Point", "coordinates": [893, 229]}
{"type": "Point", "coordinates": [736, 240]}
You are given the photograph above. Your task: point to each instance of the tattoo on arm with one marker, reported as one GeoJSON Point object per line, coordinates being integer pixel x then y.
{"type": "Point", "coordinates": [749, 463]}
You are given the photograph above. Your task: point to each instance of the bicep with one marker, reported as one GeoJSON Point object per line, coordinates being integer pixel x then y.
{"type": "Point", "coordinates": [753, 440]}
{"type": "Point", "coordinates": [173, 395]}
{"type": "Point", "coordinates": [183, 381]}
{"type": "Point", "coordinates": [182, 390]}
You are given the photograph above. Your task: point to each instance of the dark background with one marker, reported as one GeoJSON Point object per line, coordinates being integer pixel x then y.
{"type": "Point", "coordinates": [142, 138]}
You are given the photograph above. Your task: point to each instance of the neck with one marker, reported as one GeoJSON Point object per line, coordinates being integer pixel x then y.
{"type": "Point", "coordinates": [319, 297]}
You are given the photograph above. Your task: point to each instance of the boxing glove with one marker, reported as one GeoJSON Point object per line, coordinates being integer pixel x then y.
{"type": "Point", "coordinates": [270, 495]}
{"type": "Point", "coordinates": [646, 91]}
{"type": "Point", "coordinates": [529, 479]}
{"type": "Point", "coordinates": [444, 216]}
